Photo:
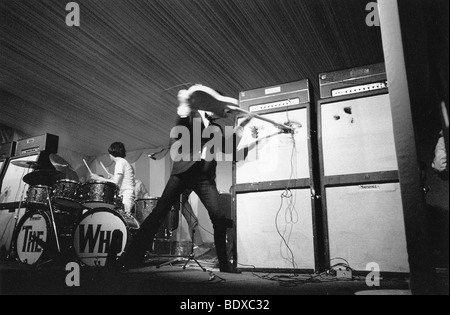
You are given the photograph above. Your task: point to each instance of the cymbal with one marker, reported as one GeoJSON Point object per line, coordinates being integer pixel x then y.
{"type": "Point", "coordinates": [43, 177]}
{"type": "Point", "coordinates": [58, 161]}
{"type": "Point", "coordinates": [26, 164]}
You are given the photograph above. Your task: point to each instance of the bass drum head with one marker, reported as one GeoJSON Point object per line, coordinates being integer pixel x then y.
{"type": "Point", "coordinates": [32, 236]}
{"type": "Point", "coordinates": [100, 234]}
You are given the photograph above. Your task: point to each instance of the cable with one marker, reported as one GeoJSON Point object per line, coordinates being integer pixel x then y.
{"type": "Point", "coordinates": [178, 85]}
{"type": "Point", "coordinates": [291, 213]}
{"type": "Point", "coordinates": [291, 259]}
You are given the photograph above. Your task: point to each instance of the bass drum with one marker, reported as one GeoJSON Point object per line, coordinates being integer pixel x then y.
{"type": "Point", "coordinates": [34, 240]}
{"type": "Point", "coordinates": [102, 235]}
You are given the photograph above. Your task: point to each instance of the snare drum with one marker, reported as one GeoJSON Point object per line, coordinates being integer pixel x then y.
{"type": "Point", "coordinates": [37, 196]}
{"type": "Point", "coordinates": [98, 194]}
{"type": "Point", "coordinates": [102, 234]}
{"type": "Point", "coordinates": [66, 193]}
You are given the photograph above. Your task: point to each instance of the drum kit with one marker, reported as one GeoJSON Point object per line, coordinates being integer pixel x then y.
{"type": "Point", "coordinates": [68, 220]}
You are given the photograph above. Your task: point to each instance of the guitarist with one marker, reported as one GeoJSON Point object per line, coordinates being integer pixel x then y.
{"type": "Point", "coordinates": [196, 174]}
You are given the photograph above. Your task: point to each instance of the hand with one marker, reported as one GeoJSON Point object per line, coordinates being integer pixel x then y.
{"type": "Point", "coordinates": [246, 120]}
{"type": "Point", "coordinates": [183, 96]}
{"type": "Point", "coordinates": [183, 109]}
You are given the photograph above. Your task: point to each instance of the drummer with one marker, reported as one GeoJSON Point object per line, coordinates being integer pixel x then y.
{"type": "Point", "coordinates": [123, 175]}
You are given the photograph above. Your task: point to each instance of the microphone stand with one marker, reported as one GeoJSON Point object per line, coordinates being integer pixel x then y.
{"type": "Point", "coordinates": [180, 257]}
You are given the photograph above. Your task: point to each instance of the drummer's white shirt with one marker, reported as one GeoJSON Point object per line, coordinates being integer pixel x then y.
{"type": "Point", "coordinates": [124, 168]}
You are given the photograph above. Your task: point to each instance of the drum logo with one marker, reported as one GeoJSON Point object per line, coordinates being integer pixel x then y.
{"type": "Point", "coordinates": [98, 240]}
{"type": "Point", "coordinates": [32, 239]}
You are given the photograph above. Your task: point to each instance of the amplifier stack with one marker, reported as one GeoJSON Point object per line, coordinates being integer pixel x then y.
{"type": "Point", "coordinates": [273, 187]}
{"type": "Point", "coordinates": [361, 199]}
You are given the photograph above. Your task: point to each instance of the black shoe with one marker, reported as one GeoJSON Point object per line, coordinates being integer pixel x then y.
{"type": "Point", "coordinates": [229, 268]}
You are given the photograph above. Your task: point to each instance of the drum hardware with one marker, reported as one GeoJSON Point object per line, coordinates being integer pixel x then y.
{"type": "Point", "coordinates": [41, 210]}
{"type": "Point", "coordinates": [53, 221]}
{"type": "Point", "coordinates": [38, 234]}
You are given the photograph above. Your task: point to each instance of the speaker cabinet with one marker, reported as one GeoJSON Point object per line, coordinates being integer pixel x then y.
{"type": "Point", "coordinates": [357, 136]}
{"type": "Point", "coordinates": [273, 182]}
{"type": "Point", "coordinates": [8, 221]}
{"type": "Point", "coordinates": [274, 231]}
{"type": "Point", "coordinates": [366, 224]}
{"type": "Point", "coordinates": [14, 189]}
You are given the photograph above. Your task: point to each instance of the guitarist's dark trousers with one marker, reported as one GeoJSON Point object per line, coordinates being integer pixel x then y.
{"type": "Point", "coordinates": [201, 178]}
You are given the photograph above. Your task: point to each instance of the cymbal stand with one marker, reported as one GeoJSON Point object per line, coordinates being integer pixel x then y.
{"type": "Point", "coordinates": [53, 220]}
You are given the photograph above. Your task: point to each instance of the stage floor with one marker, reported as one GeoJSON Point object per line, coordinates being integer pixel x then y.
{"type": "Point", "coordinates": [172, 279]}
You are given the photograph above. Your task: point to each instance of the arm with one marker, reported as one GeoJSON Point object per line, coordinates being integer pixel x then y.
{"type": "Point", "coordinates": [116, 179]}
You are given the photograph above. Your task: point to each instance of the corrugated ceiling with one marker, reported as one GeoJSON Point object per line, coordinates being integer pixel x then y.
{"type": "Point", "coordinates": [116, 76]}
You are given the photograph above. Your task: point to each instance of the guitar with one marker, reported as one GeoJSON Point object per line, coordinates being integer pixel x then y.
{"type": "Point", "coordinates": [204, 98]}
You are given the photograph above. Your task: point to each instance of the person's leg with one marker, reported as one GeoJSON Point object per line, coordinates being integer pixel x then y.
{"type": "Point", "coordinates": [207, 191]}
{"type": "Point", "coordinates": [143, 240]}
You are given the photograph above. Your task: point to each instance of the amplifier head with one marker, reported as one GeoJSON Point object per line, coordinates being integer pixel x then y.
{"type": "Point", "coordinates": [47, 143]}
{"type": "Point", "coordinates": [276, 98]}
{"type": "Point", "coordinates": [353, 81]}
